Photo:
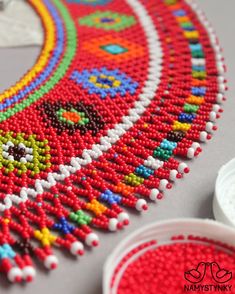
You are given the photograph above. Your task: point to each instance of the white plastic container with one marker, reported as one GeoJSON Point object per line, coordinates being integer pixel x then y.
{"type": "Point", "coordinates": [224, 197]}
{"type": "Point", "coordinates": [162, 233]}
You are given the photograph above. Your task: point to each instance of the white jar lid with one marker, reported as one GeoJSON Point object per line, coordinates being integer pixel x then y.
{"type": "Point", "coordinates": [224, 196]}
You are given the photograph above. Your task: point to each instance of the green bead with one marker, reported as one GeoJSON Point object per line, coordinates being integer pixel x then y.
{"type": "Point", "coordinates": [133, 180]}
{"type": "Point", "coordinates": [201, 75]}
{"type": "Point", "coordinates": [190, 108]}
{"type": "Point", "coordinates": [162, 154]}
{"type": "Point", "coordinates": [186, 25]}
{"type": "Point", "coordinates": [170, 2]}
{"type": "Point", "coordinates": [197, 54]}
{"type": "Point", "coordinates": [80, 217]}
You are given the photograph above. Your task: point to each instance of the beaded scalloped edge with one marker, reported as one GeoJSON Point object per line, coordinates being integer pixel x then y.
{"type": "Point", "coordinates": [21, 267]}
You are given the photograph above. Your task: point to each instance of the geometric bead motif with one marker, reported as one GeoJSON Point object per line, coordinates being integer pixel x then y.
{"type": "Point", "coordinates": [63, 226]}
{"type": "Point", "coordinates": [96, 207]}
{"type": "Point", "coordinates": [109, 197]}
{"type": "Point", "coordinates": [80, 217]}
{"type": "Point", "coordinates": [178, 126]}
{"type": "Point", "coordinates": [113, 48]}
{"type": "Point", "coordinates": [45, 236]}
{"type": "Point", "coordinates": [105, 82]}
{"type": "Point", "coordinates": [24, 247]}
{"type": "Point", "coordinates": [108, 20]}
{"type": "Point", "coordinates": [168, 145]}
{"type": "Point", "coordinates": [23, 153]}
{"type": "Point", "coordinates": [186, 117]}
{"type": "Point", "coordinates": [143, 171]}
{"type": "Point", "coordinates": [162, 154]}
{"type": "Point", "coordinates": [175, 136]}
{"type": "Point", "coordinates": [6, 252]}
{"type": "Point", "coordinates": [190, 108]}
{"type": "Point", "coordinates": [133, 180]}
{"type": "Point", "coordinates": [70, 117]}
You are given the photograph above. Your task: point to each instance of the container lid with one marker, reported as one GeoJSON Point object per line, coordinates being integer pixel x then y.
{"type": "Point", "coordinates": [224, 196]}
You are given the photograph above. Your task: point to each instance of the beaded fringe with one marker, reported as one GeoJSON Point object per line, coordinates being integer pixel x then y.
{"type": "Point", "coordinates": [91, 192]}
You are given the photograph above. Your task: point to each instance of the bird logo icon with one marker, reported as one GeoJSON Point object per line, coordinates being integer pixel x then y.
{"type": "Point", "coordinates": [218, 274]}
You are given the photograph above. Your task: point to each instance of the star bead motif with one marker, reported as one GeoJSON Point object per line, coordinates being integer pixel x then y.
{"type": "Point", "coordinates": [63, 226]}
{"type": "Point", "coordinates": [24, 247]}
{"type": "Point", "coordinates": [111, 198]}
{"type": "Point", "coordinates": [96, 207]}
{"type": "Point", "coordinates": [45, 237]}
{"type": "Point", "coordinates": [80, 217]}
{"type": "Point", "coordinates": [6, 251]}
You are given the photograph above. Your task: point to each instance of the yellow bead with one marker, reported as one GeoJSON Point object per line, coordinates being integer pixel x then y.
{"type": "Point", "coordinates": [178, 126]}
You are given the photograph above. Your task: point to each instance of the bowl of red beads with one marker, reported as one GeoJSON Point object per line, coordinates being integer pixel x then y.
{"type": "Point", "coordinates": [174, 256]}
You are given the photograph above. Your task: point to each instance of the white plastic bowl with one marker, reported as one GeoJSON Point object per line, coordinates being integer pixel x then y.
{"type": "Point", "coordinates": [162, 233]}
{"type": "Point", "coordinates": [224, 197]}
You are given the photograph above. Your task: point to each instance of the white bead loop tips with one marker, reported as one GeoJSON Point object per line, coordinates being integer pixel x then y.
{"type": "Point", "coordinates": [141, 205]}
{"type": "Point", "coordinates": [29, 273]}
{"type": "Point", "coordinates": [77, 248]}
{"type": "Point", "coordinates": [123, 218]}
{"type": "Point", "coordinates": [154, 195]}
{"type": "Point", "coordinates": [51, 262]}
{"type": "Point", "coordinates": [204, 136]}
{"type": "Point", "coordinates": [114, 225]}
{"type": "Point", "coordinates": [190, 153]}
{"type": "Point", "coordinates": [15, 275]}
{"type": "Point", "coordinates": [164, 184]}
{"type": "Point", "coordinates": [92, 240]}
{"type": "Point", "coordinates": [174, 175]}
{"type": "Point", "coordinates": [210, 127]}
{"type": "Point", "coordinates": [183, 168]}
{"type": "Point", "coordinates": [194, 150]}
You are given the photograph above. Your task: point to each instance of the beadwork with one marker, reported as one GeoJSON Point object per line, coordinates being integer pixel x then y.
{"type": "Point", "coordinates": [71, 117]}
{"type": "Point", "coordinates": [121, 93]}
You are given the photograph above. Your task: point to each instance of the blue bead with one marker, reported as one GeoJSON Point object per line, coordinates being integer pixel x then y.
{"type": "Point", "coordinates": [198, 68]}
{"type": "Point", "coordinates": [109, 197]}
{"type": "Point", "coordinates": [179, 12]}
{"type": "Point", "coordinates": [198, 91]}
{"type": "Point", "coordinates": [195, 47]}
{"type": "Point", "coordinates": [143, 171]}
{"type": "Point", "coordinates": [186, 117]}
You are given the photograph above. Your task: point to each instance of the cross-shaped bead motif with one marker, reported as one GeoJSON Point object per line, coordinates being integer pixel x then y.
{"type": "Point", "coordinates": [63, 226]}
{"type": "Point", "coordinates": [45, 237]}
{"type": "Point", "coordinates": [80, 217]}
{"type": "Point", "coordinates": [6, 252]}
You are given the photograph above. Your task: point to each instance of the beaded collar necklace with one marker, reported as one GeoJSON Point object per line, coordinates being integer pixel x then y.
{"type": "Point", "coordinates": [122, 92]}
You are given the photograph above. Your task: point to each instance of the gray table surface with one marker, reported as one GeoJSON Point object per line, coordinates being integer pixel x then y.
{"type": "Point", "coordinates": [190, 197]}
